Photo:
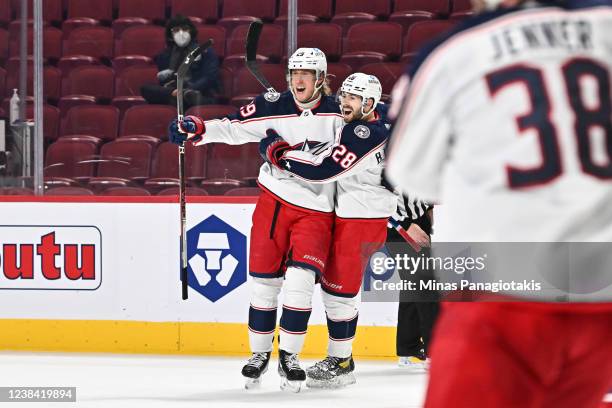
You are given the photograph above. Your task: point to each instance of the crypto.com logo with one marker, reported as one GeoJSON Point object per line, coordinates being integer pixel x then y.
{"type": "Point", "coordinates": [217, 258]}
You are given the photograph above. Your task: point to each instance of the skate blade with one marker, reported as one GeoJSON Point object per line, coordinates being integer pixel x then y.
{"type": "Point", "coordinates": [291, 386]}
{"type": "Point", "coordinates": [337, 382]}
{"type": "Point", "coordinates": [252, 383]}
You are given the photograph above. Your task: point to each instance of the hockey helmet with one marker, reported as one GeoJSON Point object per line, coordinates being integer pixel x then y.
{"type": "Point", "coordinates": [364, 85]}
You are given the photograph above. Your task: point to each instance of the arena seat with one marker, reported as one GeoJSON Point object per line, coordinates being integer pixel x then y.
{"type": "Point", "coordinates": [51, 120]}
{"type": "Point", "coordinates": [154, 10]}
{"type": "Point", "coordinates": [325, 36]}
{"type": "Point", "coordinates": [436, 7]}
{"type": "Point", "coordinates": [208, 112]}
{"type": "Point", "coordinates": [124, 191]}
{"type": "Point", "coordinates": [190, 191]}
{"type": "Point", "coordinates": [347, 20]}
{"type": "Point", "coordinates": [218, 35]}
{"type": "Point", "coordinates": [152, 120]}
{"type": "Point", "coordinates": [337, 72]}
{"type": "Point", "coordinates": [233, 161]}
{"type": "Point", "coordinates": [69, 191]}
{"type": "Point", "coordinates": [270, 44]}
{"type": "Point", "coordinates": [379, 8]}
{"type": "Point", "coordinates": [386, 72]}
{"type": "Point", "coordinates": [147, 40]}
{"type": "Point", "coordinates": [101, 10]}
{"type": "Point", "coordinates": [6, 12]}
{"type": "Point", "coordinates": [264, 9]}
{"type": "Point", "coordinates": [246, 84]}
{"type": "Point", "coordinates": [421, 33]}
{"type": "Point", "coordinates": [319, 8]}
{"type": "Point", "coordinates": [71, 159]}
{"type": "Point", "coordinates": [243, 192]}
{"type": "Point", "coordinates": [207, 10]}
{"type": "Point", "coordinates": [363, 45]}
{"type": "Point", "coordinates": [131, 79]}
{"type": "Point", "coordinates": [124, 159]}
{"type": "Point", "coordinates": [101, 121]}
{"type": "Point", "coordinates": [4, 46]}
{"type": "Point", "coordinates": [95, 80]}
{"type": "Point", "coordinates": [96, 41]}
{"type": "Point", "coordinates": [164, 171]}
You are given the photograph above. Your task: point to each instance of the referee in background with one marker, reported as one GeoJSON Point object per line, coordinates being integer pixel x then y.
{"type": "Point", "coordinates": [417, 310]}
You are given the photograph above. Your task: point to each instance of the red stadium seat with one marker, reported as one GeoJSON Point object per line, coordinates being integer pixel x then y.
{"type": "Point", "coordinates": [190, 191]}
{"type": "Point", "coordinates": [423, 32]}
{"type": "Point", "coordinates": [337, 73]}
{"type": "Point", "coordinates": [230, 23]}
{"type": "Point", "coordinates": [125, 191]}
{"type": "Point", "coordinates": [264, 9]}
{"type": "Point", "coordinates": [101, 10]}
{"type": "Point", "coordinates": [52, 42]}
{"type": "Point", "coordinates": [346, 20]}
{"type": "Point", "coordinates": [126, 61]}
{"type": "Point", "coordinates": [244, 192]}
{"type": "Point", "coordinates": [245, 83]}
{"type": "Point", "coordinates": [218, 187]}
{"type": "Point", "coordinates": [125, 159]}
{"type": "Point", "coordinates": [71, 159]}
{"type": "Point", "coordinates": [152, 120]}
{"type": "Point", "coordinates": [121, 24]}
{"type": "Point", "coordinates": [327, 37]}
{"type": "Point", "coordinates": [437, 7]}
{"type": "Point", "coordinates": [67, 64]}
{"type": "Point", "coordinates": [5, 12]}
{"type": "Point", "coordinates": [462, 9]}
{"type": "Point", "coordinates": [235, 62]}
{"type": "Point", "coordinates": [270, 42]}
{"type": "Point", "coordinates": [386, 72]}
{"type": "Point", "coordinates": [319, 8]}
{"type": "Point", "coordinates": [123, 103]}
{"type": "Point", "coordinates": [217, 33]}
{"type": "Point", "coordinates": [407, 18]}
{"type": "Point", "coordinates": [95, 80]}
{"type": "Point", "coordinates": [51, 120]}
{"type": "Point", "coordinates": [51, 80]}
{"type": "Point", "coordinates": [164, 172]}
{"type": "Point", "coordinates": [379, 8]}
{"type": "Point", "coordinates": [363, 43]}
{"type": "Point", "coordinates": [52, 10]}
{"type": "Point", "coordinates": [147, 40]}
{"type": "Point", "coordinates": [69, 191]}
{"type": "Point", "coordinates": [67, 102]}
{"type": "Point", "coordinates": [16, 191]}
{"type": "Point", "coordinates": [96, 41]}
{"type": "Point", "coordinates": [150, 9]}
{"type": "Point", "coordinates": [207, 10]}
{"type": "Point", "coordinates": [208, 112]}
{"type": "Point", "coordinates": [131, 79]}
{"type": "Point", "coordinates": [226, 77]}
{"type": "Point", "coordinates": [4, 46]}
{"type": "Point", "coordinates": [301, 19]}
{"type": "Point", "coordinates": [68, 26]}
{"type": "Point", "coordinates": [233, 162]}
{"type": "Point", "coordinates": [101, 121]}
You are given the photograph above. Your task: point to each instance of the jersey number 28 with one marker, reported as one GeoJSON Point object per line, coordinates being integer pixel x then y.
{"type": "Point", "coordinates": [539, 118]}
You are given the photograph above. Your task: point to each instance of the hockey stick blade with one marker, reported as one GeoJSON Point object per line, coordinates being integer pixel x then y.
{"type": "Point", "coordinates": [252, 41]}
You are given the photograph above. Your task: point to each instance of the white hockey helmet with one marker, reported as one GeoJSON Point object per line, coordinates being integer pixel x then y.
{"type": "Point", "coordinates": [364, 85]}
{"type": "Point", "coordinates": [309, 58]}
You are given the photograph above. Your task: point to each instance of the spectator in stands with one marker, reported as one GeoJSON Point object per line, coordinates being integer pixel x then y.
{"type": "Point", "coordinates": [202, 83]}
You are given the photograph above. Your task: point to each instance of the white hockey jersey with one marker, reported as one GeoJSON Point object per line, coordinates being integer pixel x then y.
{"type": "Point", "coordinates": [507, 123]}
{"type": "Point", "coordinates": [312, 126]}
{"type": "Point", "coordinates": [355, 162]}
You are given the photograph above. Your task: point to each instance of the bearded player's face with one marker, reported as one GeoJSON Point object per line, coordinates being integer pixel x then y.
{"type": "Point", "coordinates": [350, 106]}
{"type": "Point", "coordinates": [303, 83]}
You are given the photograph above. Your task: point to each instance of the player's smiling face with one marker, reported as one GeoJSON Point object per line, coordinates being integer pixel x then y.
{"type": "Point", "coordinates": [303, 83]}
{"type": "Point", "coordinates": [350, 106]}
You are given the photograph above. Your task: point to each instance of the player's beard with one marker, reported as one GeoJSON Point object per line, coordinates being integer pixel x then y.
{"type": "Point", "coordinates": [353, 116]}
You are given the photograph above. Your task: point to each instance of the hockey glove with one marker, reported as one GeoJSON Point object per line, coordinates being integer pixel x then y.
{"type": "Point", "coordinates": [272, 147]}
{"type": "Point", "coordinates": [192, 128]}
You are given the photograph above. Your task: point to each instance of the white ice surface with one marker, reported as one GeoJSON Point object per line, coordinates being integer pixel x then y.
{"type": "Point", "coordinates": [129, 381]}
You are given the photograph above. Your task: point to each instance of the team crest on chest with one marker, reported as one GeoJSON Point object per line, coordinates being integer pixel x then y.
{"type": "Point", "coordinates": [362, 132]}
{"type": "Point", "coordinates": [271, 96]}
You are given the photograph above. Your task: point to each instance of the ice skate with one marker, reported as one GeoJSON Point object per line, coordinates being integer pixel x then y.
{"type": "Point", "coordinates": [292, 375]}
{"type": "Point", "coordinates": [332, 372]}
{"type": "Point", "coordinates": [417, 363]}
{"type": "Point", "coordinates": [254, 369]}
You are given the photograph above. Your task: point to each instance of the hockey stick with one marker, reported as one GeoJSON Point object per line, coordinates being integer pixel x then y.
{"type": "Point", "coordinates": [251, 59]}
{"type": "Point", "coordinates": [180, 79]}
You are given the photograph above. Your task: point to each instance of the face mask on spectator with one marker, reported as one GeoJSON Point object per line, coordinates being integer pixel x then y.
{"type": "Point", "coordinates": [182, 38]}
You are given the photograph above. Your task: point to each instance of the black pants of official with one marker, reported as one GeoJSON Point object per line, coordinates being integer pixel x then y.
{"type": "Point", "coordinates": [417, 310]}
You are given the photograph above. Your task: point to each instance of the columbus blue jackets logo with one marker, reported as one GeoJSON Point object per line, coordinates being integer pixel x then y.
{"type": "Point", "coordinates": [217, 258]}
{"type": "Point", "coordinates": [271, 96]}
{"type": "Point", "coordinates": [362, 132]}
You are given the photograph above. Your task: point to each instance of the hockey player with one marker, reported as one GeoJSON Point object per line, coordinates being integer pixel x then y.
{"type": "Point", "coordinates": [291, 232]}
{"type": "Point", "coordinates": [507, 122]}
{"type": "Point", "coordinates": [363, 205]}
